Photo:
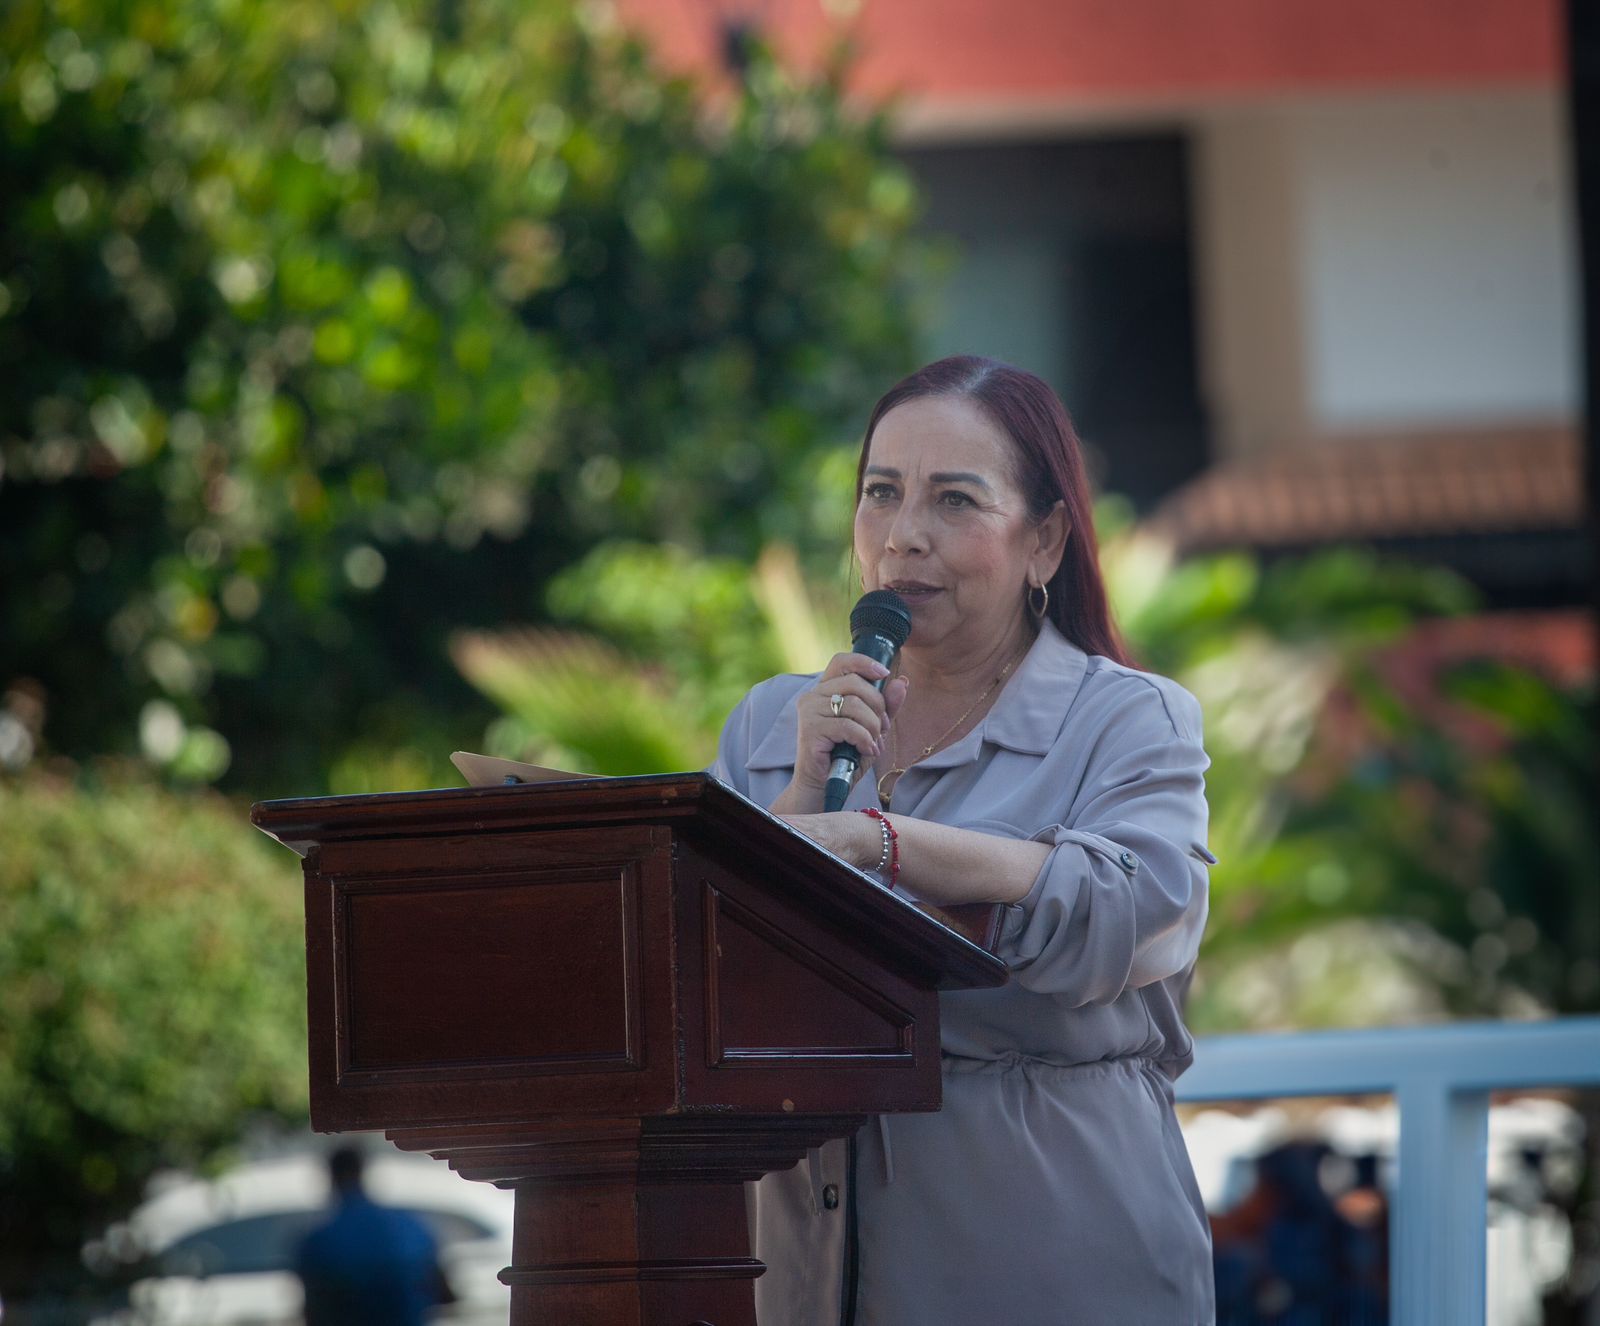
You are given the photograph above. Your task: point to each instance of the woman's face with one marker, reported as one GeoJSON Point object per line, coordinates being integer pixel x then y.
{"type": "Point", "coordinates": [942, 522]}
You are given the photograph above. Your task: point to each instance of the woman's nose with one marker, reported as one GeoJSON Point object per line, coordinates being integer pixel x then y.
{"type": "Point", "coordinates": [908, 531]}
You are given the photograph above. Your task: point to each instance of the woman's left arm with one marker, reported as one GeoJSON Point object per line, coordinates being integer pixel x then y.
{"type": "Point", "coordinates": [938, 864]}
{"type": "Point", "coordinates": [1109, 896]}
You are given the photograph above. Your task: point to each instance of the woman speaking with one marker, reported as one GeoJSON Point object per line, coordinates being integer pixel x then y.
{"type": "Point", "coordinates": [1017, 757]}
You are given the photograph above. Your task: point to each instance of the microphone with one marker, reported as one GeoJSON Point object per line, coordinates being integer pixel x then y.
{"type": "Point", "coordinates": [879, 624]}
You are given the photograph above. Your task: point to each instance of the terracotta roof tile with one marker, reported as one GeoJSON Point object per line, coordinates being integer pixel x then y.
{"type": "Point", "coordinates": [1375, 487]}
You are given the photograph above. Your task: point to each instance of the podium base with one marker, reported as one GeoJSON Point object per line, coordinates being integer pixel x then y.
{"type": "Point", "coordinates": [627, 1254]}
{"type": "Point", "coordinates": [630, 1222]}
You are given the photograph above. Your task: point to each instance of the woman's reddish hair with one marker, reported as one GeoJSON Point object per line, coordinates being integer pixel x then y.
{"type": "Point", "coordinates": [1049, 469]}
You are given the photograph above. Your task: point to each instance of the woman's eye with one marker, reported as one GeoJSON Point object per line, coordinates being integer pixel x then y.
{"type": "Point", "coordinates": [878, 492]}
{"type": "Point", "coordinates": [957, 499]}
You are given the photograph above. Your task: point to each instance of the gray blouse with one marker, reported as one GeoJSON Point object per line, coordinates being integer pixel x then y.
{"type": "Point", "coordinates": [1053, 1185]}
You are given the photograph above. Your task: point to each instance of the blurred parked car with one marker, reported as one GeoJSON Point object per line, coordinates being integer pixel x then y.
{"type": "Point", "coordinates": [220, 1252]}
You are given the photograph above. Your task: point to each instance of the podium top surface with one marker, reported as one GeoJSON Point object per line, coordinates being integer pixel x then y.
{"type": "Point", "coordinates": [693, 803]}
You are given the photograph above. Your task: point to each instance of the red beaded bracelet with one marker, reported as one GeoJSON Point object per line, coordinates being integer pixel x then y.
{"type": "Point", "coordinates": [891, 844]}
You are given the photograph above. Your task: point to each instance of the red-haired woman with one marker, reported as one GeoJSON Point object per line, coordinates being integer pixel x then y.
{"type": "Point", "coordinates": [1020, 759]}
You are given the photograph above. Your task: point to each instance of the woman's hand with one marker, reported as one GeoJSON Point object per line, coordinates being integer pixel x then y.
{"type": "Point", "coordinates": [848, 834]}
{"type": "Point", "coordinates": [863, 718]}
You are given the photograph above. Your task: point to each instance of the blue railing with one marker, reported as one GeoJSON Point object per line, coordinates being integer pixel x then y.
{"type": "Point", "coordinates": [1440, 1078]}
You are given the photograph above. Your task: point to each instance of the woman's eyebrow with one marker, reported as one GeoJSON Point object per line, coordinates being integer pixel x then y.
{"type": "Point", "coordinates": [961, 476]}
{"type": "Point", "coordinates": [943, 476]}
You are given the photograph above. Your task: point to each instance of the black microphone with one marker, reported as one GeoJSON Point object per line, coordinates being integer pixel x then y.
{"type": "Point", "coordinates": [879, 624]}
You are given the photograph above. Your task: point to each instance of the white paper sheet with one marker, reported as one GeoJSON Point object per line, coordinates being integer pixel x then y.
{"type": "Point", "coordinates": [490, 771]}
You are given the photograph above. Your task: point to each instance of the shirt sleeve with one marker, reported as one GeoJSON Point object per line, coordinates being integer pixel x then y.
{"type": "Point", "coordinates": [733, 749]}
{"type": "Point", "coordinates": [1121, 900]}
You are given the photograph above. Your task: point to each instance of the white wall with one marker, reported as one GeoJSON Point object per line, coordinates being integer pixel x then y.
{"type": "Point", "coordinates": [1385, 262]}
{"type": "Point", "coordinates": [1248, 283]}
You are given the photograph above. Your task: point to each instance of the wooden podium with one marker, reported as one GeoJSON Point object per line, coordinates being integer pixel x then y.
{"type": "Point", "coordinates": [622, 998]}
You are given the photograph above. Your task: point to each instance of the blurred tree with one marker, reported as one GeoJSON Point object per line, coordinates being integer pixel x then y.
{"type": "Point", "coordinates": [152, 977]}
{"type": "Point", "coordinates": [332, 326]}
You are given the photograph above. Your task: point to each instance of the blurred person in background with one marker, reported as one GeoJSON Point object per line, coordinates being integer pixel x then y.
{"type": "Point", "coordinates": [1290, 1254]}
{"type": "Point", "coordinates": [368, 1265]}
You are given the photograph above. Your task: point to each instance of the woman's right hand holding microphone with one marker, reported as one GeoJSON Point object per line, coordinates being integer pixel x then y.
{"type": "Point", "coordinates": [845, 705]}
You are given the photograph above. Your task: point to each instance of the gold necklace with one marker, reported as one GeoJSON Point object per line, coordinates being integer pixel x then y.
{"type": "Point", "coordinates": [894, 773]}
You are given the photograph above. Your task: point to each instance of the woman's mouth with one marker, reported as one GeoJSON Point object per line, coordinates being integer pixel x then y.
{"type": "Point", "coordinates": [913, 592]}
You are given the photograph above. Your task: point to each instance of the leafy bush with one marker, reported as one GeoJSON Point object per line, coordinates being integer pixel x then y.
{"type": "Point", "coordinates": [152, 981]}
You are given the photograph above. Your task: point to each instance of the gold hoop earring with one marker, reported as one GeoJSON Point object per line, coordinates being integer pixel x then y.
{"type": "Point", "coordinates": [1038, 607]}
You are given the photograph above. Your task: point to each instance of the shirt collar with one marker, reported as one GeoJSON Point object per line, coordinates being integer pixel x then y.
{"type": "Point", "coordinates": [1026, 717]}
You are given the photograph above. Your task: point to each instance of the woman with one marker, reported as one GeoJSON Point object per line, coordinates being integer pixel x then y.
{"type": "Point", "coordinates": [1016, 757]}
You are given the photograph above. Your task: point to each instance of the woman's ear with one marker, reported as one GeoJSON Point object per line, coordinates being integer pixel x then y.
{"type": "Point", "coordinates": [1050, 545]}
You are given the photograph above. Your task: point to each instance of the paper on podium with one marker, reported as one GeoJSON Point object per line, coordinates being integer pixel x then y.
{"type": "Point", "coordinates": [491, 771]}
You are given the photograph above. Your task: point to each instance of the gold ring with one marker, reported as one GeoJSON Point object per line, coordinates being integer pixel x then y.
{"type": "Point", "coordinates": [837, 703]}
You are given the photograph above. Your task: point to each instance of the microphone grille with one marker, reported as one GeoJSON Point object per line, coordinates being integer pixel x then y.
{"type": "Point", "coordinates": [881, 612]}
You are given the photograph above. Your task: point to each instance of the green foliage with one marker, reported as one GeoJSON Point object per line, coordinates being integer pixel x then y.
{"type": "Point", "coordinates": [1430, 852]}
{"type": "Point", "coordinates": [152, 976]}
{"type": "Point", "coordinates": [331, 327]}
{"type": "Point", "coordinates": [690, 637]}
{"type": "Point", "coordinates": [1477, 821]}
{"type": "Point", "coordinates": [1263, 647]}
{"type": "Point", "coordinates": [1177, 615]}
